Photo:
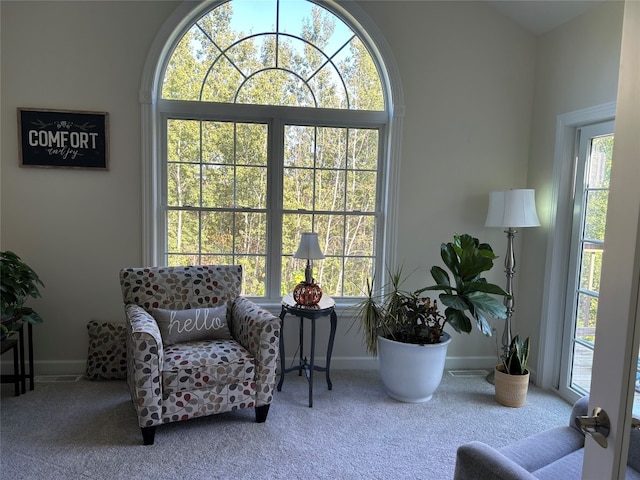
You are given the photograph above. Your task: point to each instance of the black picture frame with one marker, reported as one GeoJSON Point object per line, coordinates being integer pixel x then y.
{"type": "Point", "coordinates": [63, 138]}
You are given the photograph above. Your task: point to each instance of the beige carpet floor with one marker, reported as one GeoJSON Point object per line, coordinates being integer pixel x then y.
{"type": "Point", "coordinates": [88, 430]}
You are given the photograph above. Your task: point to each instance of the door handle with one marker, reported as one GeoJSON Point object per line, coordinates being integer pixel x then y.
{"type": "Point", "coordinates": [597, 426]}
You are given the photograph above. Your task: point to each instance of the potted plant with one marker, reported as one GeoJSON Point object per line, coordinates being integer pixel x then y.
{"type": "Point", "coordinates": [512, 375]}
{"type": "Point", "coordinates": [18, 282]}
{"type": "Point", "coordinates": [405, 329]}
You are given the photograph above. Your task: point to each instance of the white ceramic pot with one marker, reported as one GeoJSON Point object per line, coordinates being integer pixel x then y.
{"type": "Point", "coordinates": [411, 373]}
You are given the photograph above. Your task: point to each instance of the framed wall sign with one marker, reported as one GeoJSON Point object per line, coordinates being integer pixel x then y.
{"type": "Point", "coordinates": [63, 138]}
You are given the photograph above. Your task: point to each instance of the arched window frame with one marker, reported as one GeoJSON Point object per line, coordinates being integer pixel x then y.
{"type": "Point", "coordinates": [173, 29]}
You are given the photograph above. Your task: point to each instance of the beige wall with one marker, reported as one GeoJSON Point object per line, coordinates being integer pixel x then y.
{"type": "Point", "coordinates": [468, 76]}
{"type": "Point", "coordinates": [75, 228]}
{"type": "Point", "coordinates": [468, 85]}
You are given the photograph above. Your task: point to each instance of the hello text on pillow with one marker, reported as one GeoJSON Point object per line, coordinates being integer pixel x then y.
{"type": "Point", "coordinates": [177, 326]}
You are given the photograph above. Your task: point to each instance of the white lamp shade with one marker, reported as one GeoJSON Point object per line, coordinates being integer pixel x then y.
{"type": "Point", "coordinates": [512, 208]}
{"type": "Point", "coordinates": [309, 247]}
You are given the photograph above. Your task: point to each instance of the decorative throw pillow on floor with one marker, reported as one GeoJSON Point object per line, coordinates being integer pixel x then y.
{"type": "Point", "coordinates": [107, 359]}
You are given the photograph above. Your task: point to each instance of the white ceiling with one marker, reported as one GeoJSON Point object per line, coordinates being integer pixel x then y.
{"type": "Point", "coordinates": [540, 16]}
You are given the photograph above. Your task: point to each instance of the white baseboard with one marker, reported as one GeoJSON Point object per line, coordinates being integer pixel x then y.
{"type": "Point", "coordinates": [64, 367]}
{"type": "Point", "coordinates": [78, 367]}
{"type": "Point", "coordinates": [370, 363]}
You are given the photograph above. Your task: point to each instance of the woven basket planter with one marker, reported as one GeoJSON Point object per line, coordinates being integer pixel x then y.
{"type": "Point", "coordinates": [511, 390]}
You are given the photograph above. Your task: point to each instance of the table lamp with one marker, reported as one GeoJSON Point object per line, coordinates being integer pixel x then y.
{"type": "Point", "coordinates": [308, 292]}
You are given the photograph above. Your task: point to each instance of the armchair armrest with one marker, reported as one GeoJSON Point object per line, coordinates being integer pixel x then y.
{"type": "Point", "coordinates": [258, 330]}
{"type": "Point", "coordinates": [477, 460]}
{"type": "Point", "coordinates": [144, 363]}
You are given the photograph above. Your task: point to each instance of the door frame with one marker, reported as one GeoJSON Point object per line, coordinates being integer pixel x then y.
{"type": "Point", "coordinates": [559, 240]}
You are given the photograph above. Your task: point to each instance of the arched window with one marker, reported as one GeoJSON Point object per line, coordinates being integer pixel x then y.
{"type": "Point", "coordinates": [272, 119]}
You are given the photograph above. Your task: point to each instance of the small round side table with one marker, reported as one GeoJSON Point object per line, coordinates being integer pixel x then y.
{"type": "Point", "coordinates": [325, 308]}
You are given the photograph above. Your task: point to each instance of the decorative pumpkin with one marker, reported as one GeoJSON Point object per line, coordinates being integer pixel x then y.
{"type": "Point", "coordinates": [307, 294]}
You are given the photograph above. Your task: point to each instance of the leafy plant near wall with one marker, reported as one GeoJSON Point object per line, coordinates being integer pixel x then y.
{"type": "Point", "coordinates": [18, 283]}
{"type": "Point", "coordinates": [411, 317]}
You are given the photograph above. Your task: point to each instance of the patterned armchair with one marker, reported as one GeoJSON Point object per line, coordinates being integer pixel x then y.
{"type": "Point", "coordinates": [195, 376]}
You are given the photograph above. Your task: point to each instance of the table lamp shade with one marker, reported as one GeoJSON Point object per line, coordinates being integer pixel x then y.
{"type": "Point", "coordinates": [309, 247]}
{"type": "Point", "coordinates": [512, 208]}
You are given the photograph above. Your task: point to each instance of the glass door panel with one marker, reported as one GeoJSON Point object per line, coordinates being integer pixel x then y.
{"type": "Point", "coordinates": [593, 171]}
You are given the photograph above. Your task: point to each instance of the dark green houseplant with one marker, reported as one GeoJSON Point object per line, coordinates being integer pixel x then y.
{"type": "Point", "coordinates": [18, 283]}
{"type": "Point", "coordinates": [515, 363]}
{"type": "Point", "coordinates": [412, 317]}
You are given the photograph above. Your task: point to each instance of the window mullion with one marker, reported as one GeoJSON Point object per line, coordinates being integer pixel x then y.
{"type": "Point", "coordinates": [201, 202]}
{"type": "Point", "coordinates": [275, 171]}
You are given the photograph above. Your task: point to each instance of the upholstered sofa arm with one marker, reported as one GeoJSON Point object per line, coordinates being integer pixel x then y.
{"type": "Point", "coordinates": [476, 460]}
{"type": "Point", "coordinates": [258, 330]}
{"type": "Point", "coordinates": [144, 363]}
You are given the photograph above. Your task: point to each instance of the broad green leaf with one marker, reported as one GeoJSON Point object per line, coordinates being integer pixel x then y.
{"type": "Point", "coordinates": [483, 286]}
{"type": "Point", "coordinates": [491, 306]}
{"type": "Point", "coordinates": [453, 301]}
{"type": "Point", "coordinates": [483, 324]}
{"type": "Point", "coordinates": [440, 276]}
{"type": "Point", "coordinates": [449, 257]}
{"type": "Point", "coordinates": [458, 320]}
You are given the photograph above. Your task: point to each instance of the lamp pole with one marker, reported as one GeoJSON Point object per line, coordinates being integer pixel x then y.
{"type": "Point", "coordinates": [509, 302]}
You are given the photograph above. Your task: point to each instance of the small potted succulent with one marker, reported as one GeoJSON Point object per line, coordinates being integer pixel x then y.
{"type": "Point", "coordinates": [405, 329]}
{"type": "Point", "coordinates": [512, 375]}
{"type": "Point", "coordinates": [18, 283]}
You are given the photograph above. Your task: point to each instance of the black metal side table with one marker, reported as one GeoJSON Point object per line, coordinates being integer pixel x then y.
{"type": "Point", "coordinates": [326, 308]}
{"type": "Point", "coordinates": [12, 344]}
{"type": "Point", "coordinates": [22, 374]}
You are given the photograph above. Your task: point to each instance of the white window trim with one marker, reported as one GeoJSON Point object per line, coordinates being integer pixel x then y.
{"type": "Point", "coordinates": [174, 27]}
{"type": "Point", "coordinates": [558, 240]}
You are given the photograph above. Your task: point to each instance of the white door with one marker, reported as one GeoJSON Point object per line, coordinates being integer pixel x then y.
{"type": "Point", "coordinates": [616, 349]}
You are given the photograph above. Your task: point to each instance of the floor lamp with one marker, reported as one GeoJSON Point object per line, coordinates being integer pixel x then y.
{"type": "Point", "coordinates": [510, 209]}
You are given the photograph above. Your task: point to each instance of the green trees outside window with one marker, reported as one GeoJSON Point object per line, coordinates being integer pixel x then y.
{"type": "Point", "coordinates": [275, 119]}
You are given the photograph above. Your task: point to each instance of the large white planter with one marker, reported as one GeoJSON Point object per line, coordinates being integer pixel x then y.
{"type": "Point", "coordinates": [411, 373]}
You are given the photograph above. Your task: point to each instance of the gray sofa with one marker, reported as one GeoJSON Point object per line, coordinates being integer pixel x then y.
{"type": "Point", "coordinates": [551, 455]}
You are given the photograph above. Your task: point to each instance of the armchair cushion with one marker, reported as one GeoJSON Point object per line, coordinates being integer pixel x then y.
{"type": "Point", "coordinates": [177, 326]}
{"type": "Point", "coordinates": [194, 365]}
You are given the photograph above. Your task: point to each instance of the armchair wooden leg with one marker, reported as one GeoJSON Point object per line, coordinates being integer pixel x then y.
{"type": "Point", "coordinates": [261, 413]}
{"type": "Point", "coordinates": [148, 435]}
